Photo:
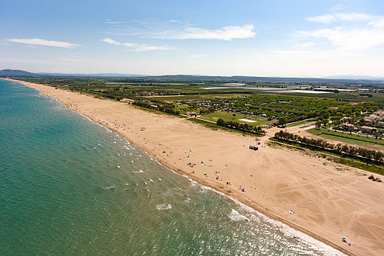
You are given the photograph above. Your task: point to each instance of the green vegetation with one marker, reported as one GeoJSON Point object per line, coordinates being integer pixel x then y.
{"type": "Point", "coordinates": [364, 155]}
{"type": "Point", "coordinates": [301, 122]}
{"type": "Point", "coordinates": [340, 159]}
{"type": "Point", "coordinates": [346, 137]}
{"type": "Point", "coordinates": [260, 121]}
{"type": "Point", "coordinates": [240, 126]}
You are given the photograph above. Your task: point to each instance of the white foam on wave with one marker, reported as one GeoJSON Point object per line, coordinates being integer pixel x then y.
{"type": "Point", "coordinates": [288, 231]}
{"type": "Point", "coordinates": [141, 171]}
{"type": "Point", "coordinates": [236, 216]}
{"type": "Point", "coordinates": [162, 207]}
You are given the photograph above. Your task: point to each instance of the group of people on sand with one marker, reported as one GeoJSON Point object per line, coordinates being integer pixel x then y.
{"type": "Point", "coordinates": [241, 189]}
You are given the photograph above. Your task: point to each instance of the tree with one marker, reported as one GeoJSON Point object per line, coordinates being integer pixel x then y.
{"type": "Point", "coordinates": [282, 121]}
{"type": "Point", "coordinates": [352, 151]}
{"type": "Point", "coordinates": [258, 130]}
{"type": "Point", "coordinates": [338, 147]}
{"type": "Point", "coordinates": [220, 122]}
{"type": "Point", "coordinates": [378, 156]}
{"type": "Point", "coordinates": [318, 124]}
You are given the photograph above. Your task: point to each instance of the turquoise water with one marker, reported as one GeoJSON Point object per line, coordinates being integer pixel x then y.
{"type": "Point", "coordinates": [71, 187]}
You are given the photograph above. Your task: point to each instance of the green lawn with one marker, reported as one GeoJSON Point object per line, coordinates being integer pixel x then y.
{"type": "Point", "coordinates": [260, 121]}
{"type": "Point", "coordinates": [181, 108]}
{"type": "Point", "coordinates": [348, 138]}
{"type": "Point", "coordinates": [300, 122]}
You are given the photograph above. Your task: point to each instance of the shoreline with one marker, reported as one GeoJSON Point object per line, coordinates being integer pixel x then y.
{"type": "Point", "coordinates": [235, 159]}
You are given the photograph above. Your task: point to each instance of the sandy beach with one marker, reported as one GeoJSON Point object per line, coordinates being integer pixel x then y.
{"type": "Point", "coordinates": [329, 200]}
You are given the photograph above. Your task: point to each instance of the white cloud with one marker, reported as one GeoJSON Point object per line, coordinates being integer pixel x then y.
{"type": "Point", "coordinates": [376, 21]}
{"type": "Point", "coordinates": [110, 41]}
{"type": "Point", "coordinates": [37, 41]}
{"type": "Point", "coordinates": [367, 34]}
{"type": "Point", "coordinates": [225, 33]}
{"type": "Point", "coordinates": [138, 47]}
{"type": "Point", "coordinates": [326, 19]}
{"type": "Point", "coordinates": [174, 29]}
{"type": "Point", "coordinates": [356, 39]}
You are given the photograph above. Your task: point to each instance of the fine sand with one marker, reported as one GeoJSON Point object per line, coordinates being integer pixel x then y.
{"type": "Point", "coordinates": [329, 200]}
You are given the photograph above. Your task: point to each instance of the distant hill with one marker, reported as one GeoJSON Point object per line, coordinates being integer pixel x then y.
{"type": "Point", "coordinates": [350, 79]}
{"type": "Point", "coordinates": [240, 79]}
{"type": "Point", "coordinates": [355, 77]}
{"type": "Point", "coordinates": [11, 72]}
{"type": "Point", "coordinates": [91, 75]}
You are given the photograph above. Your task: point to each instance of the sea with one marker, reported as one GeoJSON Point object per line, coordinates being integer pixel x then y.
{"type": "Point", "coordinates": [69, 186]}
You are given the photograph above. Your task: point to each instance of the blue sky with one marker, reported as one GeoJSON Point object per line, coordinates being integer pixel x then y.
{"type": "Point", "coordinates": [312, 38]}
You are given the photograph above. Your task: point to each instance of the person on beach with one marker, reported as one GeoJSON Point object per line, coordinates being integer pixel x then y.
{"type": "Point", "coordinates": [345, 240]}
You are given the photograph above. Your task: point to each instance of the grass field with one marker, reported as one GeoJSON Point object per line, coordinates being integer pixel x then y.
{"type": "Point", "coordinates": [348, 138]}
{"type": "Point", "coordinates": [260, 121]}
{"type": "Point", "coordinates": [300, 122]}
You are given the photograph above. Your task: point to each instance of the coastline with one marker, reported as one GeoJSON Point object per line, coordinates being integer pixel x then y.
{"type": "Point", "coordinates": [275, 180]}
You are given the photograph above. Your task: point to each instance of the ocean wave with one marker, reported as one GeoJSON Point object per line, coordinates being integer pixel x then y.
{"type": "Point", "coordinates": [236, 216]}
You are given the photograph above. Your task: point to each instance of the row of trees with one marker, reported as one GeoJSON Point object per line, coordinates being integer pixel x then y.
{"type": "Point", "coordinates": [240, 126]}
{"type": "Point", "coordinates": [164, 107]}
{"type": "Point", "coordinates": [360, 153]}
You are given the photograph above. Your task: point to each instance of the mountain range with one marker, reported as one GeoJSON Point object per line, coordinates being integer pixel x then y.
{"type": "Point", "coordinates": [197, 78]}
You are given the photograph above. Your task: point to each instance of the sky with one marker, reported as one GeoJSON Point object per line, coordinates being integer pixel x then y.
{"type": "Point", "coordinates": [274, 38]}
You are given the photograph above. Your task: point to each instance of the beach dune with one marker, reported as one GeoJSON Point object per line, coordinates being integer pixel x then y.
{"type": "Point", "coordinates": [329, 200]}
